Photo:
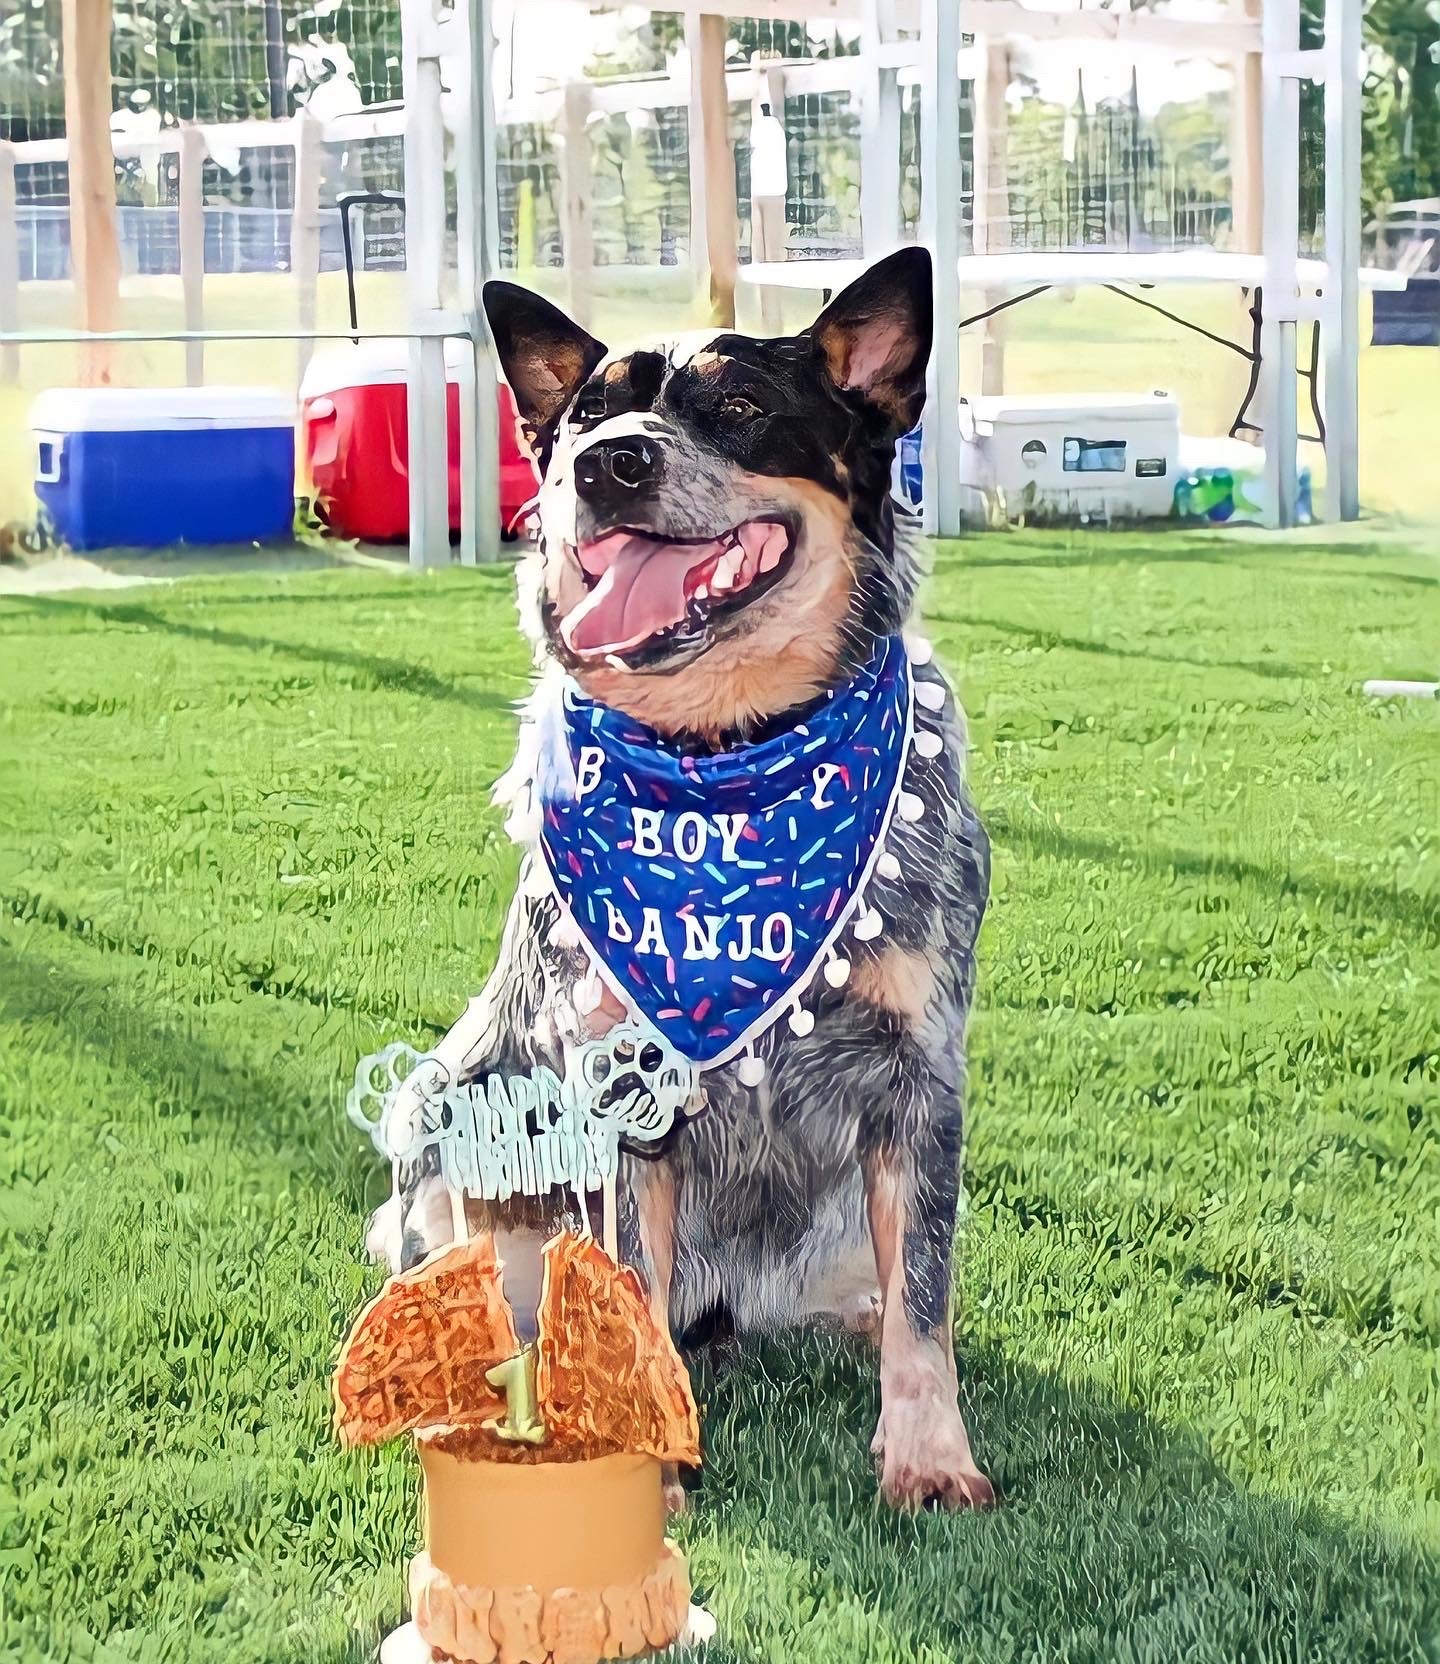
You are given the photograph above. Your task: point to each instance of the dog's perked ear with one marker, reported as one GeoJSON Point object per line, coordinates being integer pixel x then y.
{"type": "Point", "coordinates": [546, 356]}
{"type": "Point", "coordinates": [875, 337]}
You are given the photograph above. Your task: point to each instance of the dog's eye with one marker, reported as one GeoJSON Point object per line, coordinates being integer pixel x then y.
{"type": "Point", "coordinates": [742, 410]}
{"type": "Point", "coordinates": [590, 406]}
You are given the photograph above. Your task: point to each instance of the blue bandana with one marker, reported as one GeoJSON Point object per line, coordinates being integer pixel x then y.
{"type": "Point", "coordinates": [710, 889]}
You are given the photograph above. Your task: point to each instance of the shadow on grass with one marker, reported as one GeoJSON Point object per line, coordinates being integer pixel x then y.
{"type": "Point", "coordinates": [167, 1053]}
{"type": "Point", "coordinates": [1356, 900]}
{"type": "Point", "coordinates": [381, 673]}
{"type": "Point", "coordinates": [1107, 650]}
{"type": "Point", "coordinates": [1118, 1538]}
{"type": "Point", "coordinates": [233, 973]}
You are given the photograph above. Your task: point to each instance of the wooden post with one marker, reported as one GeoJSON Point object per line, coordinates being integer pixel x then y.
{"type": "Point", "coordinates": [1247, 167]}
{"type": "Point", "coordinates": [192, 245]}
{"type": "Point", "coordinates": [9, 266]}
{"type": "Point", "coordinates": [1247, 178]}
{"type": "Point", "coordinates": [717, 254]}
{"type": "Point", "coordinates": [305, 231]}
{"type": "Point", "coordinates": [940, 223]}
{"type": "Point", "coordinates": [768, 230]}
{"type": "Point", "coordinates": [578, 184]}
{"type": "Point", "coordinates": [94, 238]}
{"type": "Point", "coordinates": [990, 221]}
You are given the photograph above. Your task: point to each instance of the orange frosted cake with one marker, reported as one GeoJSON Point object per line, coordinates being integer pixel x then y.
{"type": "Point", "coordinates": [544, 1508]}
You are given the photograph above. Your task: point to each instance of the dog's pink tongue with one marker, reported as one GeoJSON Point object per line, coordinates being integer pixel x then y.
{"type": "Point", "coordinates": [641, 591]}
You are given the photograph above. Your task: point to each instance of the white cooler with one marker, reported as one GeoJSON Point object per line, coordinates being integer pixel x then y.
{"type": "Point", "coordinates": [1108, 457]}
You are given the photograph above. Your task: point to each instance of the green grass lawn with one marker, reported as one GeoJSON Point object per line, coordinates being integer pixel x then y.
{"type": "Point", "coordinates": [247, 837]}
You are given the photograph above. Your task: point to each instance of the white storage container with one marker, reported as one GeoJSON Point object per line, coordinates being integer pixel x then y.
{"type": "Point", "coordinates": [1107, 456]}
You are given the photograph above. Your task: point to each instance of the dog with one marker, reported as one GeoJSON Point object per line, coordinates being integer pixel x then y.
{"type": "Point", "coordinates": [717, 552]}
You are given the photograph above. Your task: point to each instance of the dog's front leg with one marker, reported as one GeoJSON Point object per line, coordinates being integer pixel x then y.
{"type": "Point", "coordinates": [647, 1240]}
{"type": "Point", "coordinates": [912, 1191]}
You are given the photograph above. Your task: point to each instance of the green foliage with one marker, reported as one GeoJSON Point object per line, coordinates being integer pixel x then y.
{"type": "Point", "coordinates": [1405, 74]}
{"type": "Point", "coordinates": [200, 60]}
{"type": "Point", "coordinates": [247, 835]}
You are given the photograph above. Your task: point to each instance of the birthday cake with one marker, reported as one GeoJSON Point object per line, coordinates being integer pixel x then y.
{"type": "Point", "coordinates": [544, 1510]}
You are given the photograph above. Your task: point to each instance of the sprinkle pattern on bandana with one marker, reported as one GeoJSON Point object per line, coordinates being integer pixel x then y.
{"type": "Point", "coordinates": [710, 889]}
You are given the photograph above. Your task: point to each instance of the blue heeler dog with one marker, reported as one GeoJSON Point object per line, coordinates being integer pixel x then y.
{"type": "Point", "coordinates": [718, 551]}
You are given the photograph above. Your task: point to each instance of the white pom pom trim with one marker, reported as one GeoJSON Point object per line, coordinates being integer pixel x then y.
{"type": "Point", "coordinates": [931, 695]}
{"type": "Point", "coordinates": [837, 971]}
{"type": "Point", "coordinates": [927, 744]}
{"type": "Point", "coordinates": [910, 807]}
{"type": "Point", "coordinates": [868, 926]}
{"type": "Point", "coordinates": [919, 650]}
{"type": "Point", "coordinates": [752, 1070]}
{"type": "Point", "coordinates": [887, 866]}
{"type": "Point", "coordinates": [801, 1021]}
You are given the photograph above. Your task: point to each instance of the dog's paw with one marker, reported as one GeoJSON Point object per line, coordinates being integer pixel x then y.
{"type": "Point", "coordinates": [400, 1237]}
{"type": "Point", "coordinates": [383, 1235]}
{"type": "Point", "coordinates": [676, 1501]}
{"type": "Point", "coordinates": [922, 1454]}
{"type": "Point", "coordinates": [862, 1316]}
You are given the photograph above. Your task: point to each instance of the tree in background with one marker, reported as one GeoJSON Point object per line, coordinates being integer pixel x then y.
{"type": "Point", "coordinates": [1402, 127]}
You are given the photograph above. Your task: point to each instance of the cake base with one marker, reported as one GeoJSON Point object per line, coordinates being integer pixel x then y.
{"type": "Point", "coordinates": [406, 1645]}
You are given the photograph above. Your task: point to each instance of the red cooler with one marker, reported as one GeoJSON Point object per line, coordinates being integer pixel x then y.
{"type": "Point", "coordinates": [356, 443]}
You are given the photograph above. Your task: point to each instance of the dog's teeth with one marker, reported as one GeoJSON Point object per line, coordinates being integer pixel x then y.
{"type": "Point", "coordinates": [725, 573]}
{"type": "Point", "coordinates": [703, 593]}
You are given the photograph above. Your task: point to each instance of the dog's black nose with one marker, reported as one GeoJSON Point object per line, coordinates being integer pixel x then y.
{"type": "Point", "coordinates": [616, 467]}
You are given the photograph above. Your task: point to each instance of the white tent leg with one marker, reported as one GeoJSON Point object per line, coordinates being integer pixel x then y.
{"type": "Point", "coordinates": [479, 256]}
{"type": "Point", "coordinates": [1341, 305]}
{"type": "Point", "coordinates": [1281, 229]}
{"type": "Point", "coordinates": [940, 223]}
{"type": "Point", "coordinates": [424, 273]}
{"type": "Point", "coordinates": [879, 137]}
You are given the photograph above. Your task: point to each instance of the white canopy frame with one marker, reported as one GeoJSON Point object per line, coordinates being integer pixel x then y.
{"type": "Point", "coordinates": [903, 37]}
{"type": "Point", "coordinates": [902, 41]}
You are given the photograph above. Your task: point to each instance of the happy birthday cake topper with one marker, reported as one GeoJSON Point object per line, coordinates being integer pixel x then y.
{"type": "Point", "coordinates": [500, 1135]}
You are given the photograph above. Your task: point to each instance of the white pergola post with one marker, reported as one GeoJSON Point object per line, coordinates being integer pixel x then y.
{"type": "Point", "coordinates": [768, 230]}
{"type": "Point", "coordinates": [428, 442]}
{"type": "Point", "coordinates": [9, 266]}
{"type": "Point", "coordinates": [990, 214]}
{"type": "Point", "coordinates": [191, 163]}
{"type": "Point", "coordinates": [1280, 70]}
{"type": "Point", "coordinates": [305, 231]}
{"type": "Point", "coordinates": [1340, 305]}
{"type": "Point", "coordinates": [940, 224]}
{"type": "Point", "coordinates": [879, 135]}
{"type": "Point", "coordinates": [577, 185]}
{"type": "Point", "coordinates": [478, 231]}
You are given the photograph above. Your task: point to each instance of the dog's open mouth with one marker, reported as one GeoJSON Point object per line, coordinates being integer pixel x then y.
{"type": "Point", "coordinates": [644, 588]}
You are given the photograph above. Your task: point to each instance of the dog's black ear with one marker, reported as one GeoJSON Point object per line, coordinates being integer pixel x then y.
{"type": "Point", "coordinates": [545, 356]}
{"type": "Point", "coordinates": [875, 337]}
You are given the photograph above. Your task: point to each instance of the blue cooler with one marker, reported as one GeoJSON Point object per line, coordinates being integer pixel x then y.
{"type": "Point", "coordinates": [139, 468]}
{"type": "Point", "coordinates": [905, 475]}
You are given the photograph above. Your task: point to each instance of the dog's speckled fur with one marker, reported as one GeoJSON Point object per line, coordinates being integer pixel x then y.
{"type": "Point", "coordinates": [832, 1188]}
